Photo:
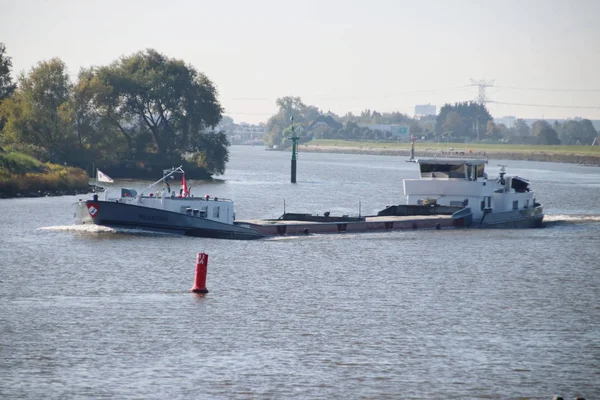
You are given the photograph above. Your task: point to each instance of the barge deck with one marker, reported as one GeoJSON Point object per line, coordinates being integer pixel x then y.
{"type": "Point", "coordinates": [281, 227]}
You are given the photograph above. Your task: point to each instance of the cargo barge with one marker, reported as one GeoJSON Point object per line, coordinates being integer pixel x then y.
{"type": "Point", "coordinates": [448, 194]}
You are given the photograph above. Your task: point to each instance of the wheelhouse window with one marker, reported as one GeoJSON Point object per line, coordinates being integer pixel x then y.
{"type": "Point", "coordinates": [474, 172]}
{"type": "Point", "coordinates": [442, 171]}
{"type": "Point", "coordinates": [520, 185]}
{"type": "Point", "coordinates": [515, 204]}
{"type": "Point", "coordinates": [480, 170]}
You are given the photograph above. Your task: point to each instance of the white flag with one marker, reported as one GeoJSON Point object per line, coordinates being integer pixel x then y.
{"type": "Point", "coordinates": [102, 177]}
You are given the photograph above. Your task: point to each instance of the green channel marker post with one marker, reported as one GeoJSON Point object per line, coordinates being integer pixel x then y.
{"type": "Point", "coordinates": [294, 151]}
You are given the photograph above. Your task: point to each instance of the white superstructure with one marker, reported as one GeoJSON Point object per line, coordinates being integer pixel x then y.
{"type": "Point", "coordinates": [212, 208]}
{"type": "Point", "coordinates": [464, 183]}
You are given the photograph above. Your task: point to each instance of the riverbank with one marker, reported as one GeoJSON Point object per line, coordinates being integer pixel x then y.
{"type": "Point", "coordinates": [47, 192]}
{"type": "Point", "coordinates": [24, 176]}
{"type": "Point", "coordinates": [525, 155]}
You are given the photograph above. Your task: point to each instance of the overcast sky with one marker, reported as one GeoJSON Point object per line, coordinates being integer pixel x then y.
{"type": "Point", "coordinates": [338, 55]}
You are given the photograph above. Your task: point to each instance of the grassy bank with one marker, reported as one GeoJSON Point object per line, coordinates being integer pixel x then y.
{"type": "Point", "coordinates": [24, 176]}
{"type": "Point", "coordinates": [570, 154]}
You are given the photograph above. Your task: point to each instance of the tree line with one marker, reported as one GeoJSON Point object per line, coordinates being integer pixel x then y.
{"type": "Point", "coordinates": [143, 111]}
{"type": "Point", "coordinates": [461, 121]}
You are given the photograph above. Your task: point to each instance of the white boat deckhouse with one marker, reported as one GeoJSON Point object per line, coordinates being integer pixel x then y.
{"type": "Point", "coordinates": [464, 183]}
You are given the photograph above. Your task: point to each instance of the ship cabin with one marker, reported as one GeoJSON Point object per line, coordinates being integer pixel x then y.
{"type": "Point", "coordinates": [208, 207]}
{"type": "Point", "coordinates": [464, 183]}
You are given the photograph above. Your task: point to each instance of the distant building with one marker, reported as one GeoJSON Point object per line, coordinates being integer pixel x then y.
{"type": "Point", "coordinates": [245, 133]}
{"type": "Point", "coordinates": [424, 110]}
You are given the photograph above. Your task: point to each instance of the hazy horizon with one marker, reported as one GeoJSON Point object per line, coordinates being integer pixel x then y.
{"type": "Point", "coordinates": [382, 55]}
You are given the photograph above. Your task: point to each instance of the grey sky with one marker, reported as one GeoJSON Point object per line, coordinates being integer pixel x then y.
{"type": "Point", "coordinates": [338, 55]}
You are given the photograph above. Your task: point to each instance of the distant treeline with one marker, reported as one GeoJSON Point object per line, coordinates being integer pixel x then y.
{"type": "Point", "coordinates": [459, 122]}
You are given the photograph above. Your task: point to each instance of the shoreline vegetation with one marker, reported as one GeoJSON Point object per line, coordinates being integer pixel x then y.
{"type": "Point", "coordinates": [585, 155]}
{"type": "Point", "coordinates": [24, 176]}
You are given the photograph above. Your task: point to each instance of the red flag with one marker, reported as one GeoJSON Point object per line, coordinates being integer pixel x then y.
{"type": "Point", "coordinates": [185, 192]}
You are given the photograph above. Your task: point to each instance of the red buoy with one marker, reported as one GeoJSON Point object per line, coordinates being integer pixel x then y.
{"type": "Point", "coordinates": [201, 268]}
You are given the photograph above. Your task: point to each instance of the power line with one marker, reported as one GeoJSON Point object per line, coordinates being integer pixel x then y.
{"type": "Point", "coordinates": [333, 97]}
{"type": "Point", "coordinates": [391, 95]}
{"type": "Point", "coordinates": [547, 89]}
{"type": "Point", "coordinates": [543, 105]}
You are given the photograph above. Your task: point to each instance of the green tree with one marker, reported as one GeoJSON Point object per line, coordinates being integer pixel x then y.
{"type": "Point", "coordinates": [211, 151]}
{"type": "Point", "coordinates": [573, 132]}
{"type": "Point", "coordinates": [288, 107]}
{"type": "Point", "coordinates": [474, 118]}
{"type": "Point", "coordinates": [162, 97]}
{"type": "Point", "coordinates": [376, 118]}
{"type": "Point", "coordinates": [548, 136]}
{"type": "Point", "coordinates": [538, 126]}
{"type": "Point", "coordinates": [37, 113]}
{"type": "Point", "coordinates": [453, 124]}
{"type": "Point", "coordinates": [493, 131]}
{"type": "Point", "coordinates": [545, 133]}
{"type": "Point", "coordinates": [589, 132]}
{"type": "Point", "coordinates": [7, 87]}
{"type": "Point", "coordinates": [98, 138]}
{"type": "Point", "coordinates": [521, 127]}
{"type": "Point", "coordinates": [365, 117]}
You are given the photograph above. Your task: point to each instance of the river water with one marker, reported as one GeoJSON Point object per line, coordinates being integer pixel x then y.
{"type": "Point", "coordinates": [89, 312]}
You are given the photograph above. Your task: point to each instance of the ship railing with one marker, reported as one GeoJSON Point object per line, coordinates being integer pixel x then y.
{"type": "Point", "coordinates": [166, 173]}
{"type": "Point", "coordinates": [467, 155]}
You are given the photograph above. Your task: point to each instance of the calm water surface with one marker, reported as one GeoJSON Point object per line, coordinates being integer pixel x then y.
{"type": "Point", "coordinates": [484, 314]}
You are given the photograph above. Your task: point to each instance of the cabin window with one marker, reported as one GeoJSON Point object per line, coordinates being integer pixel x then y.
{"type": "Point", "coordinates": [515, 204]}
{"type": "Point", "coordinates": [203, 212]}
{"type": "Point", "coordinates": [526, 204]}
{"type": "Point", "coordinates": [480, 170]}
{"type": "Point", "coordinates": [474, 172]}
{"type": "Point", "coordinates": [216, 212]}
{"type": "Point", "coordinates": [442, 171]}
